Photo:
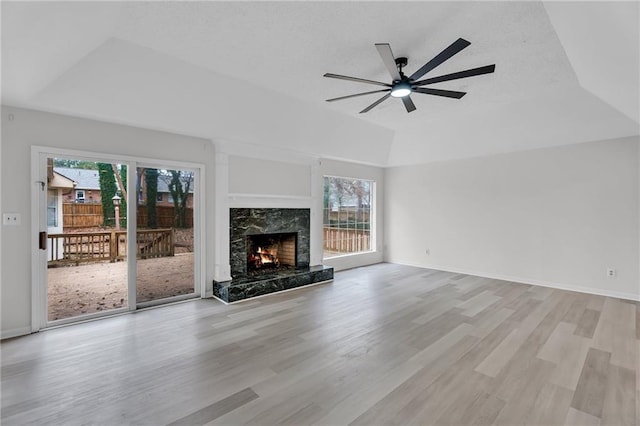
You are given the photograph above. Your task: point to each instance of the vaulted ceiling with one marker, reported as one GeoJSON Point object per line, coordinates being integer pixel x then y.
{"type": "Point", "coordinates": [250, 73]}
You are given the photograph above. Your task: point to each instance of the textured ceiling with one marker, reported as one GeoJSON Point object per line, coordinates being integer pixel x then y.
{"type": "Point", "coordinates": [287, 47]}
{"type": "Point", "coordinates": [55, 57]}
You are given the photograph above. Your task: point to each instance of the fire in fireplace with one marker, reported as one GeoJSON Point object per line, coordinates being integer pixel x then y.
{"type": "Point", "coordinates": [268, 252]}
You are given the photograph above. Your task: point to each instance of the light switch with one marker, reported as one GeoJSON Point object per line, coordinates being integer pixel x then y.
{"type": "Point", "coordinates": [11, 219]}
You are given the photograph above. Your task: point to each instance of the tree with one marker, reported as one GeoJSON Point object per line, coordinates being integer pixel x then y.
{"type": "Point", "coordinates": [179, 183]}
{"type": "Point", "coordinates": [75, 164]}
{"type": "Point", "coordinates": [108, 189]}
{"type": "Point", "coordinates": [343, 191]}
{"type": "Point", "coordinates": [360, 189]}
{"type": "Point", "coordinates": [337, 189]}
{"type": "Point", "coordinates": [326, 201]}
{"type": "Point", "coordinates": [121, 177]}
{"type": "Point", "coordinates": [151, 181]}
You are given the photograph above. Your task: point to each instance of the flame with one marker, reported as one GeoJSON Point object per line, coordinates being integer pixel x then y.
{"type": "Point", "coordinates": [264, 256]}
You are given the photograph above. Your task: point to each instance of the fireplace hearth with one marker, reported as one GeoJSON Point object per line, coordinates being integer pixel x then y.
{"type": "Point", "coordinates": [269, 252]}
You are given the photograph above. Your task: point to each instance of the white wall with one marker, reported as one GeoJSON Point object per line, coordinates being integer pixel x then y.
{"type": "Point", "coordinates": [266, 177]}
{"type": "Point", "coordinates": [555, 216]}
{"type": "Point", "coordinates": [359, 171]}
{"type": "Point", "coordinates": [29, 128]}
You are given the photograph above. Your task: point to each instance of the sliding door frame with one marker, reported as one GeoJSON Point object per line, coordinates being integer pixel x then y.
{"type": "Point", "coordinates": [39, 154]}
{"type": "Point", "coordinates": [197, 236]}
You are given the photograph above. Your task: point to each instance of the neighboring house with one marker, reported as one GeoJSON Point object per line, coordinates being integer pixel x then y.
{"type": "Point", "coordinates": [163, 195]}
{"type": "Point", "coordinates": [87, 188]}
{"type": "Point", "coordinates": [58, 187]}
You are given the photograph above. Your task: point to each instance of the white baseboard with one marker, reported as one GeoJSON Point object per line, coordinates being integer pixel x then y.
{"type": "Point", "coordinates": [219, 300]}
{"type": "Point", "coordinates": [15, 332]}
{"type": "Point", "coordinates": [350, 261]}
{"type": "Point", "coordinates": [558, 286]}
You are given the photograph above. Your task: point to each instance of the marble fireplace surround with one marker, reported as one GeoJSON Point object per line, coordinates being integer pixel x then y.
{"type": "Point", "coordinates": [252, 221]}
{"type": "Point", "coordinates": [245, 222]}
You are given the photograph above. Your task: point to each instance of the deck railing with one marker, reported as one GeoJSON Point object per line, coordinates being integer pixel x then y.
{"type": "Point", "coordinates": [346, 240]}
{"type": "Point", "coordinates": [76, 248]}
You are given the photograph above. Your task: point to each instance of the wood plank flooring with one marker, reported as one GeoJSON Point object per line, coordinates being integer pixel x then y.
{"type": "Point", "coordinates": [381, 345]}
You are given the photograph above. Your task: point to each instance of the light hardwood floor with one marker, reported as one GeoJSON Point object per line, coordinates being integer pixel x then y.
{"type": "Point", "coordinates": [385, 344]}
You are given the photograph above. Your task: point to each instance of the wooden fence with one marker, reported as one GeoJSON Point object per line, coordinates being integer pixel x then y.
{"type": "Point", "coordinates": [346, 240]}
{"type": "Point", "coordinates": [75, 215]}
{"type": "Point", "coordinates": [76, 248]}
{"type": "Point", "coordinates": [166, 216]}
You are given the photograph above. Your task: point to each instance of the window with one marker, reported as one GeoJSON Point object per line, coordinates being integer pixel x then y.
{"type": "Point", "coordinates": [347, 216]}
{"type": "Point", "coordinates": [159, 196]}
{"type": "Point", "coordinates": [79, 196]}
{"type": "Point", "coordinates": [52, 207]}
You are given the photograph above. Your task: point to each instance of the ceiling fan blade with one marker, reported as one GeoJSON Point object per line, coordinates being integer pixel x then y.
{"type": "Point", "coordinates": [357, 94]}
{"type": "Point", "coordinates": [408, 104]}
{"type": "Point", "coordinates": [487, 69]}
{"type": "Point", "coordinates": [376, 103]}
{"type": "Point", "coordinates": [447, 53]}
{"type": "Point", "coordinates": [359, 80]}
{"type": "Point", "coordinates": [389, 61]}
{"type": "Point", "coordinates": [438, 92]}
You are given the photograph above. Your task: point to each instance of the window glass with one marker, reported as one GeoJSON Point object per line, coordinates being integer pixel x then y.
{"type": "Point", "coordinates": [347, 216]}
{"type": "Point", "coordinates": [52, 207]}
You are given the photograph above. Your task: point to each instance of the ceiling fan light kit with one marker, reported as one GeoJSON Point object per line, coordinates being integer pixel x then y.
{"type": "Point", "coordinates": [401, 89]}
{"type": "Point", "coordinates": [402, 86]}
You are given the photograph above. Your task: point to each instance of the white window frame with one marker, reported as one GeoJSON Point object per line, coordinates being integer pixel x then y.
{"type": "Point", "coordinates": [372, 217]}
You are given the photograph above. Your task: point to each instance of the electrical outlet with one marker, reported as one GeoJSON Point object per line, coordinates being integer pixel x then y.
{"type": "Point", "coordinates": [11, 219]}
{"type": "Point", "coordinates": [611, 273]}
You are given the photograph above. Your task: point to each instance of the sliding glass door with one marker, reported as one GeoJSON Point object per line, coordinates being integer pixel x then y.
{"type": "Point", "coordinates": [114, 236]}
{"type": "Point", "coordinates": [165, 236]}
{"type": "Point", "coordinates": [86, 239]}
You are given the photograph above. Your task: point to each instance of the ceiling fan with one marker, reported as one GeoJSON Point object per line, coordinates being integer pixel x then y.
{"type": "Point", "coordinates": [402, 86]}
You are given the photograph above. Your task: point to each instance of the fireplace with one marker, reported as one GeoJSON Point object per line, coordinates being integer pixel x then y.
{"type": "Point", "coordinates": [251, 229]}
{"type": "Point", "coordinates": [271, 252]}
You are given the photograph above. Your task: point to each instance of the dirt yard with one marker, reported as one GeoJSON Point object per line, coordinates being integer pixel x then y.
{"type": "Point", "coordinates": [85, 289]}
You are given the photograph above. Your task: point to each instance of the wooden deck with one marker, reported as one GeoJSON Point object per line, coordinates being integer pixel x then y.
{"type": "Point", "coordinates": [96, 287]}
